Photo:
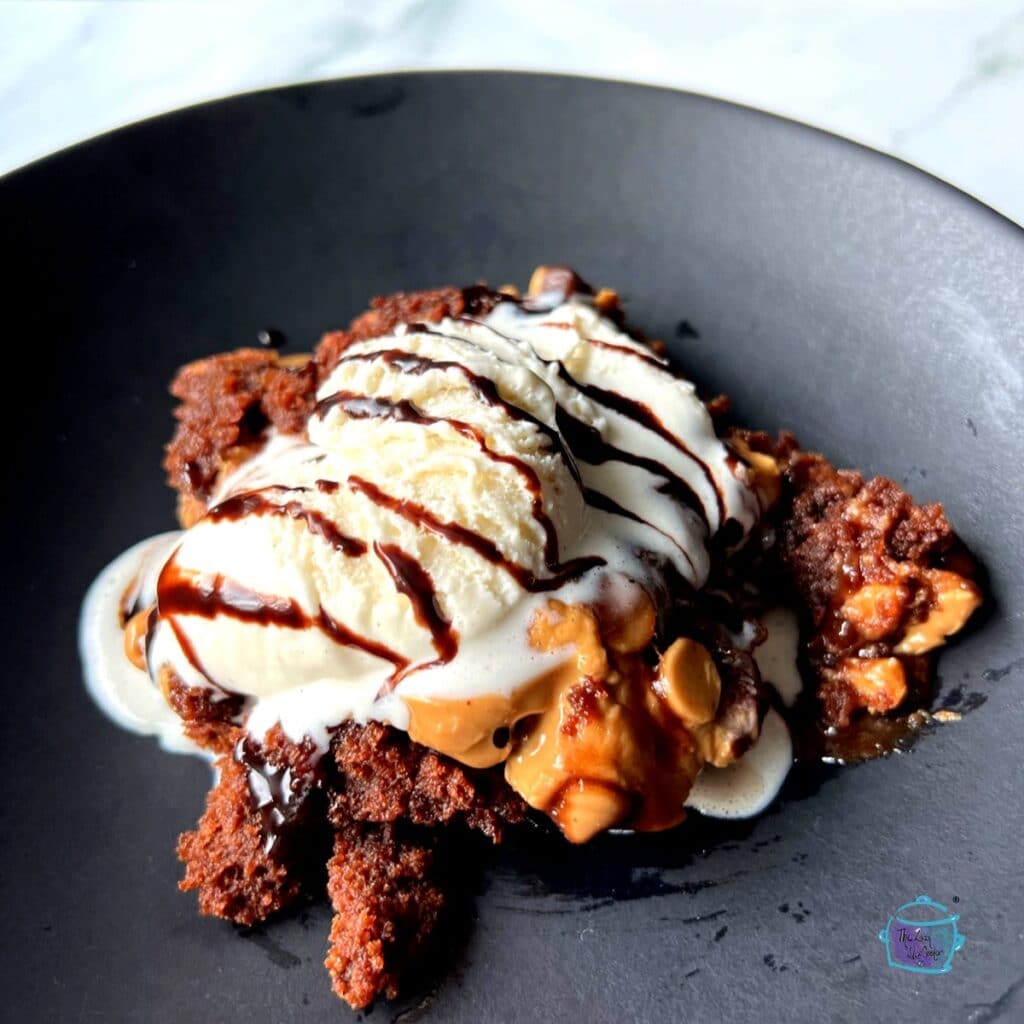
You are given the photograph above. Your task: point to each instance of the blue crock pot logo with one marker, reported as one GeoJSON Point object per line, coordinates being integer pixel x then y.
{"type": "Point", "coordinates": [922, 936]}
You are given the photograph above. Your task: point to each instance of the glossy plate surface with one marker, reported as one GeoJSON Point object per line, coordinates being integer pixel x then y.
{"type": "Point", "coordinates": [874, 310]}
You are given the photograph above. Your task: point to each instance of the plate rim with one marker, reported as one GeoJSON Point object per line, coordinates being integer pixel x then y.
{"type": "Point", "coordinates": [901, 163]}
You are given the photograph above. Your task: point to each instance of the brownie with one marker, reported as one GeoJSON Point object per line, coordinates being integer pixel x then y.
{"type": "Point", "coordinates": [385, 813]}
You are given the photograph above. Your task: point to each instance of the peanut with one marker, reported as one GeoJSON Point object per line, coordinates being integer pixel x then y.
{"type": "Point", "coordinates": [689, 682]}
{"type": "Point", "coordinates": [875, 610]}
{"type": "Point", "coordinates": [587, 807]}
{"type": "Point", "coordinates": [632, 628]}
{"type": "Point", "coordinates": [880, 682]}
{"type": "Point", "coordinates": [606, 301]}
{"type": "Point", "coordinates": [954, 600]}
{"type": "Point", "coordinates": [767, 477]}
{"type": "Point", "coordinates": [295, 361]}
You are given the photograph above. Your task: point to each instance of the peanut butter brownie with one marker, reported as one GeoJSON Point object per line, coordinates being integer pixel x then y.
{"type": "Point", "coordinates": [486, 556]}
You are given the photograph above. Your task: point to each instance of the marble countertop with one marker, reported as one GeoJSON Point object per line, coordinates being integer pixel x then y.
{"type": "Point", "coordinates": [939, 84]}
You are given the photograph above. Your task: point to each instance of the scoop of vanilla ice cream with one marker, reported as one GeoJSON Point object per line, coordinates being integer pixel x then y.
{"type": "Point", "coordinates": [402, 452]}
{"type": "Point", "coordinates": [492, 439]}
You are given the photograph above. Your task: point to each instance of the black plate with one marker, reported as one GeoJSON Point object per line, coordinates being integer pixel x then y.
{"type": "Point", "coordinates": [827, 288]}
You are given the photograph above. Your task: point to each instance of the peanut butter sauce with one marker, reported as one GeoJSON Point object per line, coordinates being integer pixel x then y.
{"type": "Point", "coordinates": [602, 739]}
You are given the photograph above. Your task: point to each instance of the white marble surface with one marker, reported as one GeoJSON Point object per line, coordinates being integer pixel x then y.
{"type": "Point", "coordinates": [938, 82]}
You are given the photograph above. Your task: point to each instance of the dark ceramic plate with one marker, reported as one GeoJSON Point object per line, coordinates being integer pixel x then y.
{"type": "Point", "coordinates": [873, 309]}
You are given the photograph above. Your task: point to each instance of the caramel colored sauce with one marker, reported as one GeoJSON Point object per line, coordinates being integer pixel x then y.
{"type": "Point", "coordinates": [865, 738]}
{"type": "Point", "coordinates": [593, 742]}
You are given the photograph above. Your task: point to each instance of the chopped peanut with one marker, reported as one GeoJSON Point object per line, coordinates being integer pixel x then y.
{"type": "Point", "coordinates": [876, 609]}
{"type": "Point", "coordinates": [295, 361]}
{"type": "Point", "coordinates": [587, 807]}
{"type": "Point", "coordinates": [538, 281]}
{"type": "Point", "coordinates": [606, 301]}
{"type": "Point", "coordinates": [767, 477]}
{"type": "Point", "coordinates": [718, 744]}
{"type": "Point", "coordinates": [880, 682]}
{"type": "Point", "coordinates": [955, 599]}
{"type": "Point", "coordinates": [629, 629]}
{"type": "Point", "coordinates": [690, 683]}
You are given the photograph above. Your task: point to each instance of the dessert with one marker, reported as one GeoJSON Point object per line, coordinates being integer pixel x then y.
{"type": "Point", "coordinates": [486, 556]}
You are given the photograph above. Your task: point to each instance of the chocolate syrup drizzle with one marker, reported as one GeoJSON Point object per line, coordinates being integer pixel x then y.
{"type": "Point", "coordinates": [364, 407]}
{"type": "Point", "coordinates": [420, 516]}
{"type": "Point", "coordinates": [414, 581]}
{"type": "Point", "coordinates": [483, 387]}
{"type": "Point", "coordinates": [184, 643]}
{"type": "Point", "coordinates": [587, 444]}
{"type": "Point", "coordinates": [283, 797]}
{"type": "Point", "coordinates": [599, 500]}
{"type": "Point", "coordinates": [256, 503]}
{"type": "Point", "coordinates": [644, 357]}
{"type": "Point", "coordinates": [184, 592]}
{"type": "Point", "coordinates": [646, 417]}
